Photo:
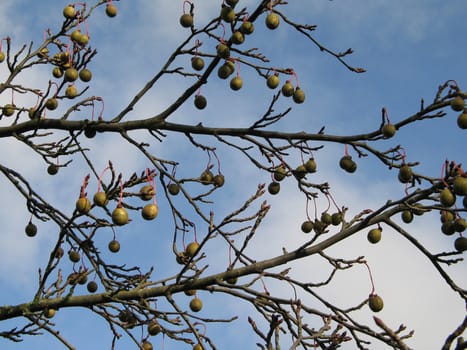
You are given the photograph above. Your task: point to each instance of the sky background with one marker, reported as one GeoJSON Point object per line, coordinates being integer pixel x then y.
{"type": "Point", "coordinates": [408, 50]}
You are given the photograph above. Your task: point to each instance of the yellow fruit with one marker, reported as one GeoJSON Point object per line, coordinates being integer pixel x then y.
{"type": "Point", "coordinates": [236, 83]}
{"type": "Point", "coordinates": [227, 14]}
{"type": "Point", "coordinates": [238, 38]}
{"type": "Point", "coordinates": [459, 186]}
{"type": "Point", "coordinates": [83, 205]}
{"type": "Point", "coordinates": [114, 246]}
{"type": "Point", "coordinates": [57, 72]}
{"type": "Point", "coordinates": [272, 81]}
{"type": "Point", "coordinates": [154, 328]}
{"type": "Point", "coordinates": [146, 345]}
{"type": "Point", "coordinates": [447, 198]}
{"type": "Point", "coordinates": [191, 249]}
{"type": "Point", "coordinates": [287, 89]}
{"type": "Point", "coordinates": [69, 12]}
{"type": "Point", "coordinates": [197, 63]}
{"type": "Point", "coordinates": [76, 35]}
{"type": "Point", "coordinates": [374, 236]}
{"type": "Point", "coordinates": [2, 56]}
{"type": "Point", "coordinates": [49, 313]}
{"type": "Point", "coordinates": [51, 104]}
{"type": "Point", "coordinates": [186, 20]}
{"type": "Point", "coordinates": [149, 211]}
{"type": "Point", "coordinates": [111, 10]}
{"type": "Point", "coordinates": [196, 304]}
{"type": "Point", "coordinates": [298, 95]}
{"type": "Point", "coordinates": [8, 109]}
{"type": "Point", "coordinates": [388, 130]}
{"type": "Point", "coordinates": [71, 74]}
{"type": "Point", "coordinates": [120, 216]}
{"type": "Point", "coordinates": [457, 104]}
{"type": "Point", "coordinates": [247, 27]}
{"type": "Point", "coordinates": [100, 199]}
{"type": "Point", "coordinates": [71, 91]}
{"type": "Point", "coordinates": [462, 120]}
{"type": "Point", "coordinates": [146, 193]}
{"type": "Point", "coordinates": [223, 51]}
{"type": "Point", "coordinates": [272, 20]}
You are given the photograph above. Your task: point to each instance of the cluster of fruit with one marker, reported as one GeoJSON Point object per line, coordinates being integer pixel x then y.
{"type": "Point", "coordinates": [280, 173]}
{"type": "Point", "coordinates": [458, 105]}
{"type": "Point", "coordinates": [320, 225]}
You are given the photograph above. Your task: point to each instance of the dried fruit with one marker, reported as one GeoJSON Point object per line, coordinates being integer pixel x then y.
{"type": "Point", "coordinates": [91, 286]}
{"type": "Point", "coordinates": [348, 164]}
{"type": "Point", "coordinates": [206, 177]}
{"type": "Point", "coordinates": [74, 256]}
{"type": "Point", "coordinates": [52, 169]}
{"type": "Point", "coordinates": [200, 102]}
{"type": "Point", "coordinates": [146, 345]}
{"type": "Point", "coordinates": [30, 229]}
{"type": "Point", "coordinates": [173, 189]}
{"type": "Point", "coordinates": [280, 173]}
{"type": "Point", "coordinates": [219, 180]}
{"type": "Point", "coordinates": [460, 244]}
{"type": "Point", "coordinates": [274, 188]}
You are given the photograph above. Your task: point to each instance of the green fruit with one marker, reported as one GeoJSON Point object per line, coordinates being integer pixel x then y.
{"type": "Point", "coordinates": [273, 81]}
{"type": "Point", "coordinates": [298, 96]}
{"type": "Point", "coordinates": [274, 188]}
{"type": "Point", "coordinates": [100, 199]}
{"type": "Point", "coordinates": [114, 246]}
{"type": "Point", "coordinates": [319, 227]}
{"type": "Point", "coordinates": [247, 27]}
{"type": "Point", "coordinates": [457, 104]}
{"type": "Point", "coordinates": [154, 328]}
{"type": "Point", "coordinates": [407, 216]}
{"type": "Point", "coordinates": [375, 302]}
{"type": "Point", "coordinates": [307, 226]}
{"type": "Point", "coordinates": [238, 38]}
{"type": "Point", "coordinates": [460, 244]}
{"type": "Point", "coordinates": [52, 169]}
{"type": "Point", "coordinates": [146, 192]}
{"type": "Point", "coordinates": [272, 20]}
{"type": "Point", "coordinates": [146, 345]}
{"type": "Point", "coordinates": [33, 113]}
{"type": "Point", "coordinates": [287, 89]}
{"type": "Point", "coordinates": [223, 51]}
{"type": "Point", "coordinates": [388, 130]}
{"type": "Point", "coordinates": [69, 12]}
{"type": "Point", "coordinates": [30, 229]}
{"type": "Point", "coordinates": [236, 83]}
{"type": "Point", "coordinates": [459, 186]}
{"type": "Point", "coordinates": [447, 216]}
{"type": "Point", "coordinates": [347, 164]}
{"type": "Point", "coordinates": [8, 109]}
{"type": "Point", "coordinates": [462, 120]}
{"type": "Point", "coordinates": [447, 198]}
{"type": "Point", "coordinates": [76, 35]}
{"type": "Point", "coordinates": [74, 256]}
{"type": "Point", "coordinates": [51, 104]}
{"type": "Point", "coordinates": [219, 180]}
{"type": "Point", "coordinates": [310, 165]}
{"type": "Point", "coordinates": [460, 224]}
{"type": "Point", "coordinates": [196, 304]}
{"type": "Point", "coordinates": [186, 20]}
{"type": "Point", "coordinates": [448, 228]}
{"type": "Point", "coordinates": [91, 287]}
{"type": "Point", "coordinates": [197, 63]}
{"type": "Point", "coordinates": [111, 10]}
{"type": "Point", "coordinates": [227, 14]}
{"type": "Point", "coordinates": [300, 172]}
{"type": "Point", "coordinates": [71, 74]}
{"type": "Point", "coordinates": [57, 72]}
{"type": "Point", "coordinates": [191, 249]}
{"type": "Point", "coordinates": [120, 216]}
{"type": "Point", "coordinates": [85, 75]}
{"type": "Point", "coordinates": [405, 174]}
{"type": "Point", "coordinates": [83, 40]}
{"type": "Point", "coordinates": [206, 177]}
{"type": "Point", "coordinates": [2, 56]}
{"type": "Point", "coordinates": [374, 236]}
{"type": "Point", "coordinates": [149, 212]}
{"type": "Point", "coordinates": [336, 218]}
{"type": "Point", "coordinates": [280, 173]}
{"type": "Point", "coordinates": [200, 102]}
{"type": "Point", "coordinates": [326, 218]}
{"type": "Point", "coordinates": [83, 205]}
{"type": "Point", "coordinates": [71, 91]}
{"type": "Point", "coordinates": [173, 189]}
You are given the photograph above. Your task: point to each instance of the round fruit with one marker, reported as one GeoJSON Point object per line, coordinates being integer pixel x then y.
{"type": "Point", "coordinates": [388, 130]}
{"type": "Point", "coordinates": [52, 169]}
{"type": "Point", "coordinates": [348, 164]}
{"type": "Point", "coordinates": [407, 216]}
{"type": "Point", "coordinates": [126, 316]}
{"type": "Point", "coordinates": [272, 20]}
{"type": "Point", "coordinates": [2, 56]}
{"type": "Point", "coordinates": [200, 102]}
{"type": "Point", "coordinates": [57, 72]}
{"type": "Point", "coordinates": [74, 256]}
{"type": "Point", "coordinates": [247, 27]}
{"type": "Point", "coordinates": [198, 347]}
{"type": "Point", "coordinates": [51, 104]}
{"type": "Point", "coordinates": [219, 180]}
{"type": "Point", "coordinates": [83, 205]}
{"type": "Point", "coordinates": [307, 226]}
{"type": "Point", "coordinates": [280, 173]}
{"type": "Point", "coordinates": [82, 278]}
{"type": "Point", "coordinates": [460, 224]}
{"type": "Point", "coordinates": [418, 209]}
{"type": "Point", "coordinates": [146, 192]}
{"type": "Point", "coordinates": [273, 81]}
{"type": "Point", "coordinates": [374, 236]}
{"type": "Point", "coordinates": [146, 345]}
{"type": "Point", "coordinates": [457, 104]}
{"type": "Point", "coordinates": [186, 20]}
{"type": "Point", "coordinates": [224, 71]}
{"type": "Point", "coordinates": [375, 302]}
{"type": "Point", "coordinates": [236, 83]}
{"type": "Point", "coordinates": [326, 218]}
{"type": "Point", "coordinates": [149, 212]}
{"type": "Point", "coordinates": [43, 53]}
{"type": "Point", "coordinates": [274, 187]}
{"type": "Point", "coordinates": [405, 174]}
{"type": "Point", "coordinates": [100, 199]}
{"type": "Point", "coordinates": [114, 246]}
{"type": "Point", "coordinates": [300, 172]}
{"type": "Point", "coordinates": [460, 244]}
{"type": "Point", "coordinates": [83, 40]}
{"type": "Point", "coordinates": [111, 10]}
{"type": "Point", "coordinates": [459, 186]}
{"type": "Point", "coordinates": [71, 74]}
{"type": "Point", "coordinates": [120, 216]}
{"type": "Point", "coordinates": [33, 113]}
{"type": "Point", "coordinates": [69, 12]}
{"type": "Point", "coordinates": [85, 75]}
{"type": "Point", "coordinates": [154, 328]}
{"type": "Point", "coordinates": [196, 304]}
{"type": "Point", "coordinates": [30, 229]}
{"type": "Point", "coordinates": [223, 51]}
{"type": "Point", "coordinates": [191, 249]}
{"type": "Point", "coordinates": [310, 165]}
{"type": "Point", "coordinates": [59, 253]}
{"type": "Point", "coordinates": [197, 63]}
{"type": "Point", "coordinates": [287, 89]}
{"type": "Point", "coordinates": [49, 313]}
{"type": "Point", "coordinates": [71, 91]}
{"type": "Point", "coordinates": [319, 227]}
{"type": "Point", "coordinates": [227, 14]}
{"type": "Point", "coordinates": [447, 216]}
{"type": "Point", "coordinates": [238, 38]}
{"type": "Point", "coordinates": [447, 198]}
{"type": "Point", "coordinates": [91, 287]}
{"type": "Point", "coordinates": [336, 218]}
{"type": "Point", "coordinates": [298, 95]}
{"type": "Point", "coordinates": [448, 228]}
{"type": "Point", "coordinates": [206, 177]}
{"type": "Point", "coordinates": [462, 120]}
{"type": "Point", "coordinates": [76, 35]}
{"type": "Point", "coordinates": [190, 292]}
{"type": "Point", "coordinates": [231, 280]}
{"type": "Point", "coordinates": [173, 189]}
{"type": "Point", "coordinates": [8, 109]}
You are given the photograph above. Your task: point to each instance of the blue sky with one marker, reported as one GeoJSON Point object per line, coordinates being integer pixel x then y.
{"type": "Point", "coordinates": [408, 50]}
